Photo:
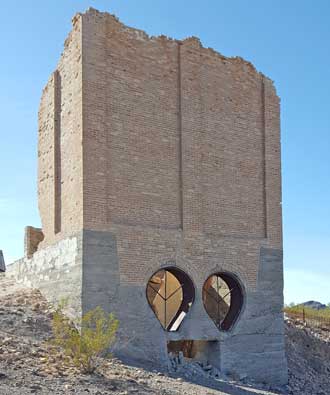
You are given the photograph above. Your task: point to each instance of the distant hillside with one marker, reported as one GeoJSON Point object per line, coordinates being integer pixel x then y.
{"type": "Point", "coordinates": [314, 305]}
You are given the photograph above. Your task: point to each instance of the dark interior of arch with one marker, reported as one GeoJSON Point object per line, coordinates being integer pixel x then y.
{"type": "Point", "coordinates": [223, 299]}
{"type": "Point", "coordinates": [170, 293]}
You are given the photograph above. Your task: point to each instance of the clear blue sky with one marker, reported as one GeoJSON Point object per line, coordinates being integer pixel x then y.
{"type": "Point", "coordinates": [289, 41]}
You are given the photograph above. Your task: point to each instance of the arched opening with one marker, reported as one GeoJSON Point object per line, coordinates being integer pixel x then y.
{"type": "Point", "coordinates": [170, 293]}
{"type": "Point", "coordinates": [223, 299]}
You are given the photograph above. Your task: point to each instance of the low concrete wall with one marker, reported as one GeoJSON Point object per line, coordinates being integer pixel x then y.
{"type": "Point", "coordinates": [56, 271]}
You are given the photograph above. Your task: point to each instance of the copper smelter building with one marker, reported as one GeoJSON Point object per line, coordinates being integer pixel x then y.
{"type": "Point", "coordinates": [159, 186]}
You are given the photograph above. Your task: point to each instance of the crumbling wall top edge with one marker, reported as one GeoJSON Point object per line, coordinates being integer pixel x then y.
{"type": "Point", "coordinates": [66, 46]}
{"type": "Point", "coordinates": [192, 42]}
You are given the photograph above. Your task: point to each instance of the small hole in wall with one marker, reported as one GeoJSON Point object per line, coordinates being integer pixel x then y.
{"type": "Point", "coordinates": [204, 351]}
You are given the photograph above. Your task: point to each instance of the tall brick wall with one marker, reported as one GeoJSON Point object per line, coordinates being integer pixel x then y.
{"type": "Point", "coordinates": [180, 154]}
{"type": "Point", "coordinates": [130, 127]}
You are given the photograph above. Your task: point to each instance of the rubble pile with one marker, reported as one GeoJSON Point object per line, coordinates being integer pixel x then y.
{"type": "Point", "coordinates": [308, 353]}
{"type": "Point", "coordinates": [190, 368]}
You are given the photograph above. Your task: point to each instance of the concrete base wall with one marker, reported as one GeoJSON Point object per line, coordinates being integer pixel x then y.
{"type": "Point", "coordinates": [86, 269]}
{"type": "Point", "coordinates": [56, 271]}
{"type": "Point", "coordinates": [256, 347]}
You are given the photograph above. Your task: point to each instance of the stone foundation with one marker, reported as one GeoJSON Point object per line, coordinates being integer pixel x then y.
{"type": "Point", "coordinates": [56, 271]}
{"type": "Point", "coordinates": [85, 269]}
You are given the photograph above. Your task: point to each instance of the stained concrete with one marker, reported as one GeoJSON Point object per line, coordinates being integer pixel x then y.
{"type": "Point", "coordinates": [256, 346]}
{"type": "Point", "coordinates": [56, 271]}
{"type": "Point", "coordinates": [86, 270]}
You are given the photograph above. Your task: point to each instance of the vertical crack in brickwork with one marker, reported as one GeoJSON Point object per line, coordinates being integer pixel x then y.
{"type": "Point", "coordinates": [264, 164]}
{"type": "Point", "coordinates": [57, 152]}
{"type": "Point", "coordinates": [180, 137]}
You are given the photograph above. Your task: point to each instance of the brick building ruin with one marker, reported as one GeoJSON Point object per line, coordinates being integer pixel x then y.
{"type": "Point", "coordinates": [159, 189]}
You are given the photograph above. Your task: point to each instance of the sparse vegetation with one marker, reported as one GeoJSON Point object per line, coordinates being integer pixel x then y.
{"type": "Point", "coordinates": [310, 311]}
{"type": "Point", "coordinates": [312, 317]}
{"type": "Point", "coordinates": [92, 341]}
{"type": "Point", "coordinates": [28, 364]}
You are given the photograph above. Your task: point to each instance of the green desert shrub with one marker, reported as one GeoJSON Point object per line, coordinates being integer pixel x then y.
{"type": "Point", "coordinates": [87, 345]}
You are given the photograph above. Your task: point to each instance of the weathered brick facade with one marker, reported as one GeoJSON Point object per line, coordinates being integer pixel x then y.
{"type": "Point", "coordinates": [162, 141]}
{"type": "Point", "coordinates": [174, 151]}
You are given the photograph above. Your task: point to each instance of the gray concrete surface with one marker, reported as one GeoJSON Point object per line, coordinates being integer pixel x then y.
{"type": "Point", "coordinates": [85, 269]}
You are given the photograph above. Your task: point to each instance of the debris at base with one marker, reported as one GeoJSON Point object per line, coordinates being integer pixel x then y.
{"type": "Point", "coordinates": [191, 368]}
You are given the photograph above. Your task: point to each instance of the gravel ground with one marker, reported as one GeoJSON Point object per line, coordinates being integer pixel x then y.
{"type": "Point", "coordinates": [29, 364]}
{"type": "Point", "coordinates": [308, 353]}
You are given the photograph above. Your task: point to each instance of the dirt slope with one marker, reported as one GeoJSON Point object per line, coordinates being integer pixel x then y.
{"type": "Point", "coordinates": [308, 352]}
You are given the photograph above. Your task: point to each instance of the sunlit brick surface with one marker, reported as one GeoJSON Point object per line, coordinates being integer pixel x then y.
{"type": "Point", "coordinates": [171, 146]}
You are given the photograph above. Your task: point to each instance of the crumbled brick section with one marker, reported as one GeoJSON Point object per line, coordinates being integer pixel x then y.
{"type": "Point", "coordinates": [172, 146]}
{"type": "Point", "coordinates": [33, 236]}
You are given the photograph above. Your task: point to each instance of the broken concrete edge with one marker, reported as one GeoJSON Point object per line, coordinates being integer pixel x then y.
{"type": "Point", "coordinates": [2, 262]}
